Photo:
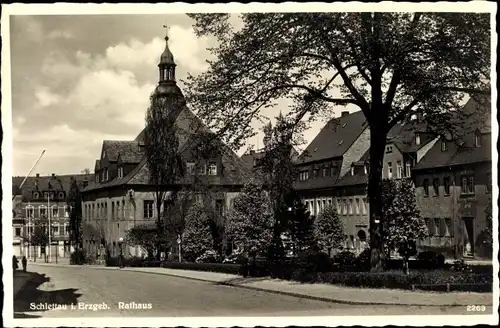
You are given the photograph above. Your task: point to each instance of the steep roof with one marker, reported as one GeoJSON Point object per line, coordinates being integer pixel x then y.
{"type": "Point", "coordinates": [188, 125]}
{"type": "Point", "coordinates": [335, 138]}
{"type": "Point", "coordinates": [115, 147]}
{"type": "Point", "coordinates": [248, 158]}
{"type": "Point", "coordinates": [46, 183]}
{"type": "Point", "coordinates": [456, 154]}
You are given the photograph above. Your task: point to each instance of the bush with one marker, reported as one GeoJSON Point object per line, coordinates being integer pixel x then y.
{"type": "Point", "coordinates": [430, 260]}
{"type": "Point", "coordinates": [134, 261]}
{"type": "Point", "coordinates": [362, 262]}
{"type": "Point", "coordinates": [397, 279]}
{"type": "Point", "coordinates": [112, 261]}
{"type": "Point", "coordinates": [344, 258]}
{"type": "Point", "coordinates": [314, 261]}
{"type": "Point", "coordinates": [209, 256]}
{"type": "Point", "coordinates": [211, 267]}
{"type": "Point", "coordinates": [78, 257]}
{"type": "Point", "coordinates": [238, 258]}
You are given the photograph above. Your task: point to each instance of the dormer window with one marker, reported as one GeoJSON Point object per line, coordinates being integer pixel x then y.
{"type": "Point", "coordinates": [107, 174]}
{"type": "Point", "coordinates": [212, 169]}
{"type": "Point", "coordinates": [352, 170]}
{"type": "Point", "coordinates": [103, 154]}
{"type": "Point", "coordinates": [366, 169]}
{"type": "Point", "coordinates": [61, 195]}
{"type": "Point", "coordinates": [417, 139]}
{"type": "Point", "coordinates": [477, 141]}
{"type": "Point", "coordinates": [388, 150]}
{"type": "Point", "coordinates": [36, 195]}
{"type": "Point", "coordinates": [120, 172]}
{"type": "Point", "coordinates": [443, 145]}
{"type": "Point", "coordinates": [190, 168]}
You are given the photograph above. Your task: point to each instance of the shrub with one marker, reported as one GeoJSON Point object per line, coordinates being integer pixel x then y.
{"type": "Point", "coordinates": [345, 258]}
{"type": "Point", "coordinates": [134, 261]}
{"type": "Point", "coordinates": [314, 261]}
{"type": "Point", "coordinates": [112, 261]}
{"type": "Point", "coordinates": [430, 260]}
{"type": "Point", "coordinates": [78, 257]}
{"type": "Point", "coordinates": [209, 256]}
{"type": "Point", "coordinates": [211, 267]}
{"type": "Point", "coordinates": [362, 262]}
{"type": "Point", "coordinates": [397, 279]}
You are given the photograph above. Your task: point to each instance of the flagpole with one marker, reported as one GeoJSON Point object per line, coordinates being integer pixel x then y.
{"type": "Point", "coordinates": [50, 229]}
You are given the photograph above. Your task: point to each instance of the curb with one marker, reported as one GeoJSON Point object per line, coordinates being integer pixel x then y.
{"type": "Point", "coordinates": [297, 295]}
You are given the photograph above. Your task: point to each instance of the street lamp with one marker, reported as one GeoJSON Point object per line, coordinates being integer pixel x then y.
{"type": "Point", "coordinates": [120, 244]}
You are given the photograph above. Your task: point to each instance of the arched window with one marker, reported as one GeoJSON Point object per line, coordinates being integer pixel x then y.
{"type": "Point", "coordinates": [362, 235]}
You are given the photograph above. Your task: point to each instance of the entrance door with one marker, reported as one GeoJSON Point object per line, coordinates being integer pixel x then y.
{"type": "Point", "coordinates": [468, 236]}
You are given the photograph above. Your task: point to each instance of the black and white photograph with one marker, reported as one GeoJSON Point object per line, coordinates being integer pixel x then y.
{"type": "Point", "coordinates": [249, 164]}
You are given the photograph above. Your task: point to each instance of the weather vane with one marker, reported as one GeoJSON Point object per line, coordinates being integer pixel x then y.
{"type": "Point", "coordinates": [166, 27]}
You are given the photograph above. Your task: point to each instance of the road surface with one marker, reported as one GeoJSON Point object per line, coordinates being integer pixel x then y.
{"type": "Point", "coordinates": [88, 292]}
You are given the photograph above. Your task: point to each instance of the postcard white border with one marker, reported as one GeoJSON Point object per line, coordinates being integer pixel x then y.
{"type": "Point", "coordinates": [179, 8]}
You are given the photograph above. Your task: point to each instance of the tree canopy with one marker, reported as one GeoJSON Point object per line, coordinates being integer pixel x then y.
{"type": "Point", "coordinates": [75, 215]}
{"type": "Point", "coordinates": [391, 65]}
{"type": "Point", "coordinates": [329, 229]}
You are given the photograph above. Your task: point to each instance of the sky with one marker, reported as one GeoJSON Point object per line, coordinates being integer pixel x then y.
{"type": "Point", "coordinates": [79, 80]}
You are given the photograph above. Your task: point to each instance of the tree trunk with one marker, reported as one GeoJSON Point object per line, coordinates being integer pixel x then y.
{"type": "Point", "coordinates": [378, 136]}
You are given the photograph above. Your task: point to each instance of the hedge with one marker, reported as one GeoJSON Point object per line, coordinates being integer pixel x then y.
{"type": "Point", "coordinates": [212, 267]}
{"type": "Point", "coordinates": [398, 280]}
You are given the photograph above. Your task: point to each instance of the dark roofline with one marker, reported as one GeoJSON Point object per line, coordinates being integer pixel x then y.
{"type": "Point", "coordinates": [440, 166]}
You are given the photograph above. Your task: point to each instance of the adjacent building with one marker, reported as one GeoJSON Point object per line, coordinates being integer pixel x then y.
{"type": "Point", "coordinates": [453, 187]}
{"type": "Point", "coordinates": [38, 200]}
{"type": "Point", "coordinates": [121, 195]}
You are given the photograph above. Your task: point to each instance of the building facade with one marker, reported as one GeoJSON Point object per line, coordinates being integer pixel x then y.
{"type": "Point", "coordinates": [42, 199]}
{"type": "Point", "coordinates": [121, 195]}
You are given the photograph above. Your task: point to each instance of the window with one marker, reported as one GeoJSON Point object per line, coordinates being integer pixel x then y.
{"type": "Point", "coordinates": [339, 206]}
{"type": "Point", "coordinates": [430, 226]}
{"type": "Point", "coordinates": [325, 171]}
{"type": "Point", "coordinates": [43, 211]}
{"type": "Point", "coordinates": [408, 169]}
{"type": "Point", "coordinates": [477, 141]}
{"type": "Point", "coordinates": [351, 205]}
{"type": "Point", "coordinates": [190, 168]}
{"type": "Point", "coordinates": [219, 207]}
{"type": "Point", "coordinates": [36, 195]}
{"type": "Point", "coordinates": [345, 207]}
{"type": "Point", "coordinates": [426, 187]}
{"type": "Point", "coordinates": [120, 172]}
{"type": "Point", "coordinates": [443, 145]}
{"type": "Point", "coordinates": [352, 170]}
{"type": "Point", "coordinates": [417, 139]}
{"type": "Point", "coordinates": [320, 207]}
{"type": "Point", "coordinates": [202, 169]}
{"type": "Point", "coordinates": [55, 230]}
{"type": "Point", "coordinates": [304, 175]}
{"type": "Point", "coordinates": [389, 170]}
{"type": "Point", "coordinates": [388, 150]}
{"type": "Point", "coordinates": [107, 174]}
{"type": "Point", "coordinates": [112, 210]}
{"type": "Point", "coordinates": [449, 227]}
{"type": "Point", "coordinates": [366, 169]}
{"type": "Point", "coordinates": [30, 211]}
{"type": "Point", "coordinates": [212, 169]}
{"type": "Point", "coordinates": [55, 212]}
{"type": "Point", "coordinates": [18, 232]}
{"type": "Point", "coordinates": [364, 206]}
{"type": "Point", "coordinates": [66, 228]}
{"type": "Point", "coordinates": [96, 177]}
{"type": "Point", "coordinates": [437, 224]}
{"type": "Point", "coordinates": [467, 185]}
{"type": "Point", "coordinates": [315, 173]}
{"type": "Point", "coordinates": [357, 206]}
{"type": "Point", "coordinates": [330, 202]}
{"type": "Point", "coordinates": [67, 209]}
{"type": "Point", "coordinates": [399, 171]}
{"type": "Point", "coordinates": [148, 209]}
{"type": "Point", "coordinates": [488, 183]}
{"type": "Point", "coordinates": [332, 171]}
{"type": "Point", "coordinates": [435, 185]}
{"type": "Point", "coordinates": [446, 185]}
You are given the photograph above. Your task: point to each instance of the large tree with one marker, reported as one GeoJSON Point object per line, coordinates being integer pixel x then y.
{"type": "Point", "coordinates": [300, 224]}
{"type": "Point", "coordinates": [75, 216]}
{"type": "Point", "coordinates": [250, 223]}
{"type": "Point", "coordinates": [329, 229]}
{"type": "Point", "coordinates": [403, 223]}
{"type": "Point", "coordinates": [145, 237]}
{"type": "Point", "coordinates": [390, 65]}
{"type": "Point", "coordinates": [164, 160]}
{"type": "Point", "coordinates": [197, 237]}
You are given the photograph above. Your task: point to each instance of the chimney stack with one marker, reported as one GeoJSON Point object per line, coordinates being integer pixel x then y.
{"type": "Point", "coordinates": [53, 174]}
{"type": "Point", "coordinates": [252, 152]}
{"type": "Point", "coordinates": [344, 113]}
{"type": "Point", "coordinates": [38, 175]}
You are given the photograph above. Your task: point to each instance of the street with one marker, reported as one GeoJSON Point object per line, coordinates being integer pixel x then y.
{"type": "Point", "coordinates": [88, 292]}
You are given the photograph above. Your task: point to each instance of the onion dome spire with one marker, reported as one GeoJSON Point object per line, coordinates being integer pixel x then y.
{"type": "Point", "coordinates": [167, 84]}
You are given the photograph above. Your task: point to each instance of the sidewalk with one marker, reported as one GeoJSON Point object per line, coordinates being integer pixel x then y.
{"type": "Point", "coordinates": [322, 292]}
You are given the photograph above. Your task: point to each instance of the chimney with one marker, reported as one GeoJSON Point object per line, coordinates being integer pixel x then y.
{"type": "Point", "coordinates": [344, 113]}
{"type": "Point", "coordinates": [252, 152]}
{"type": "Point", "coordinates": [53, 175]}
{"type": "Point", "coordinates": [38, 175]}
